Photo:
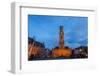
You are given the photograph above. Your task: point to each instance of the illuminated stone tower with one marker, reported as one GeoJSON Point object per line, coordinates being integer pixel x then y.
{"type": "Point", "coordinates": [61, 51]}
{"type": "Point", "coordinates": [61, 37]}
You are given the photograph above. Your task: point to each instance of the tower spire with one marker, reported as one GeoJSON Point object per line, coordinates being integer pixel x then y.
{"type": "Point", "coordinates": [61, 37]}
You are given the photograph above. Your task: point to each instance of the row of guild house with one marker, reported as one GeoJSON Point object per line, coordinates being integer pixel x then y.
{"type": "Point", "coordinates": [36, 49]}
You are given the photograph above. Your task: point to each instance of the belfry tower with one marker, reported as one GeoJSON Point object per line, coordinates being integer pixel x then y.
{"type": "Point", "coordinates": [62, 50]}
{"type": "Point", "coordinates": [61, 38]}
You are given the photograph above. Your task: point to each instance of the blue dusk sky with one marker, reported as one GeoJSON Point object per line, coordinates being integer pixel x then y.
{"type": "Point", "coordinates": [45, 29]}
